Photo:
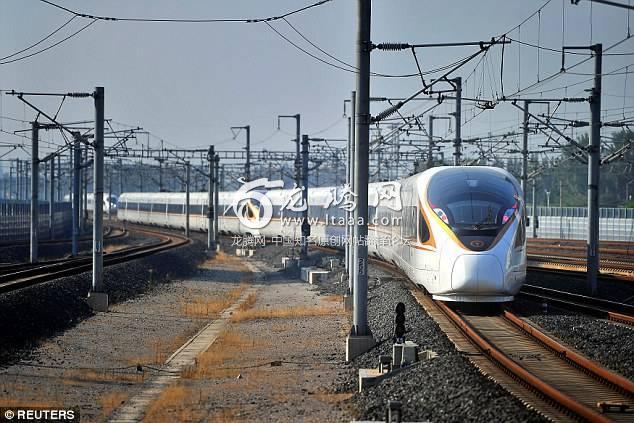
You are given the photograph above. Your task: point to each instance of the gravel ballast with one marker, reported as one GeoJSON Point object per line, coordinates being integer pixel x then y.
{"type": "Point", "coordinates": [29, 314]}
{"type": "Point", "coordinates": [608, 343]}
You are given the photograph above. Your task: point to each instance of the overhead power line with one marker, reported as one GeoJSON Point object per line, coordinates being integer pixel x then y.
{"type": "Point", "coordinates": [212, 20]}
{"type": "Point", "coordinates": [5, 62]}
{"type": "Point", "coordinates": [40, 41]}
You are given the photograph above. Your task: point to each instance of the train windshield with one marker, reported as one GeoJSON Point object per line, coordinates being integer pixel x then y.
{"type": "Point", "coordinates": [474, 203]}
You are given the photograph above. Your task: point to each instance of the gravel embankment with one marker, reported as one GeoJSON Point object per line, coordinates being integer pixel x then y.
{"type": "Point", "coordinates": [446, 388]}
{"type": "Point", "coordinates": [30, 314]}
{"type": "Point", "coordinates": [608, 343]}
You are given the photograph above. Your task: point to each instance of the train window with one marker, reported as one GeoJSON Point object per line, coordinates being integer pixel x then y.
{"type": "Point", "coordinates": [473, 199]}
{"type": "Point", "coordinates": [423, 229]}
{"type": "Point", "coordinates": [175, 208]}
{"type": "Point", "coordinates": [520, 237]}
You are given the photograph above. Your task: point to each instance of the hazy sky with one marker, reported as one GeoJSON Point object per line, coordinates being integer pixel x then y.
{"type": "Point", "coordinates": [188, 83]}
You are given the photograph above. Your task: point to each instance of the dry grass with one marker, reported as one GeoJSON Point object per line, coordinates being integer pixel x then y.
{"type": "Point", "coordinates": [212, 306]}
{"type": "Point", "coordinates": [159, 350]}
{"type": "Point", "coordinates": [333, 298]}
{"type": "Point", "coordinates": [74, 376]}
{"type": "Point", "coordinates": [248, 303]}
{"type": "Point", "coordinates": [175, 404]}
{"type": "Point", "coordinates": [283, 313]}
{"type": "Point", "coordinates": [111, 401]}
{"type": "Point", "coordinates": [212, 363]}
{"type": "Point", "coordinates": [226, 261]}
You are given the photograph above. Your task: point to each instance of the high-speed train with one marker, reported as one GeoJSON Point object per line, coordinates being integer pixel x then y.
{"type": "Point", "coordinates": [109, 202]}
{"type": "Point", "coordinates": [457, 231]}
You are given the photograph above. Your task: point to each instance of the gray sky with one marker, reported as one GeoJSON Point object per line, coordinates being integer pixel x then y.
{"type": "Point", "coordinates": [188, 83]}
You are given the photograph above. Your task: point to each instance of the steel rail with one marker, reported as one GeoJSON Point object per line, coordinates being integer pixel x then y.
{"type": "Point", "coordinates": [17, 280]}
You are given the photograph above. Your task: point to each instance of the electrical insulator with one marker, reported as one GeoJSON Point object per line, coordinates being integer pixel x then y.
{"type": "Point", "coordinates": [392, 46]}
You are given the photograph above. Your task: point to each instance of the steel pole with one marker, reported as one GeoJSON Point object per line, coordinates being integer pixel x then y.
{"type": "Point", "coordinates": [430, 147]}
{"type": "Point", "coordinates": [187, 184]}
{"type": "Point", "coordinates": [594, 157]}
{"type": "Point", "coordinates": [120, 177]}
{"type": "Point", "coordinates": [109, 195]}
{"type": "Point", "coordinates": [51, 201]}
{"type": "Point", "coordinates": [97, 235]}
{"type": "Point", "coordinates": [248, 163]}
{"type": "Point", "coordinates": [458, 115]}
{"type": "Point", "coordinates": [298, 157]}
{"type": "Point", "coordinates": [353, 187]}
{"type": "Point", "coordinates": [35, 205]}
{"type": "Point", "coordinates": [525, 148]}
{"type": "Point", "coordinates": [305, 225]}
{"type": "Point", "coordinates": [362, 158]}
{"type": "Point", "coordinates": [84, 183]}
{"type": "Point", "coordinates": [76, 195]}
{"type": "Point", "coordinates": [210, 201]}
{"type": "Point", "coordinates": [534, 225]}
{"type": "Point", "coordinates": [216, 201]}
{"type": "Point", "coordinates": [348, 183]}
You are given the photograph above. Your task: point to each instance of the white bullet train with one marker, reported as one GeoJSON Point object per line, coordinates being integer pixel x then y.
{"type": "Point", "coordinates": [109, 202]}
{"type": "Point", "coordinates": [457, 231]}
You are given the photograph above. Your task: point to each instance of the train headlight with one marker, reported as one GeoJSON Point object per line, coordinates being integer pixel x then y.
{"type": "Point", "coordinates": [507, 215]}
{"type": "Point", "coordinates": [442, 215]}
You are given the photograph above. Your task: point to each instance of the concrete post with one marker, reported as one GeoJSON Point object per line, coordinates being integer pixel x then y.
{"type": "Point", "coordinates": [51, 201]}
{"type": "Point", "coordinates": [458, 115]}
{"type": "Point", "coordinates": [35, 203]}
{"type": "Point", "coordinates": [210, 202]}
{"type": "Point", "coordinates": [305, 224]}
{"type": "Point", "coordinates": [594, 157]}
{"type": "Point", "coordinates": [187, 208]}
{"type": "Point", "coordinates": [360, 338]}
{"type": "Point", "coordinates": [97, 298]}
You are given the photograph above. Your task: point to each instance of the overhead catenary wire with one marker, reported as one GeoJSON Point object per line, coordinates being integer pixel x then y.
{"type": "Point", "coordinates": [186, 20]}
{"type": "Point", "coordinates": [40, 41]}
{"type": "Point", "coordinates": [5, 62]}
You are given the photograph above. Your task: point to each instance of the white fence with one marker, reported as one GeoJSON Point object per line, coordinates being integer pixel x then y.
{"type": "Point", "coordinates": [615, 224]}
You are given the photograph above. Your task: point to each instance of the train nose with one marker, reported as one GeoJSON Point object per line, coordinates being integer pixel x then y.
{"type": "Point", "coordinates": [477, 274]}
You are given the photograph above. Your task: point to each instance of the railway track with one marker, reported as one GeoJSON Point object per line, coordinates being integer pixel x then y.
{"type": "Point", "coordinates": [556, 374]}
{"type": "Point", "coordinates": [109, 233]}
{"type": "Point", "coordinates": [609, 268]}
{"type": "Point", "coordinates": [551, 377]}
{"type": "Point", "coordinates": [14, 277]}
{"type": "Point", "coordinates": [611, 310]}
